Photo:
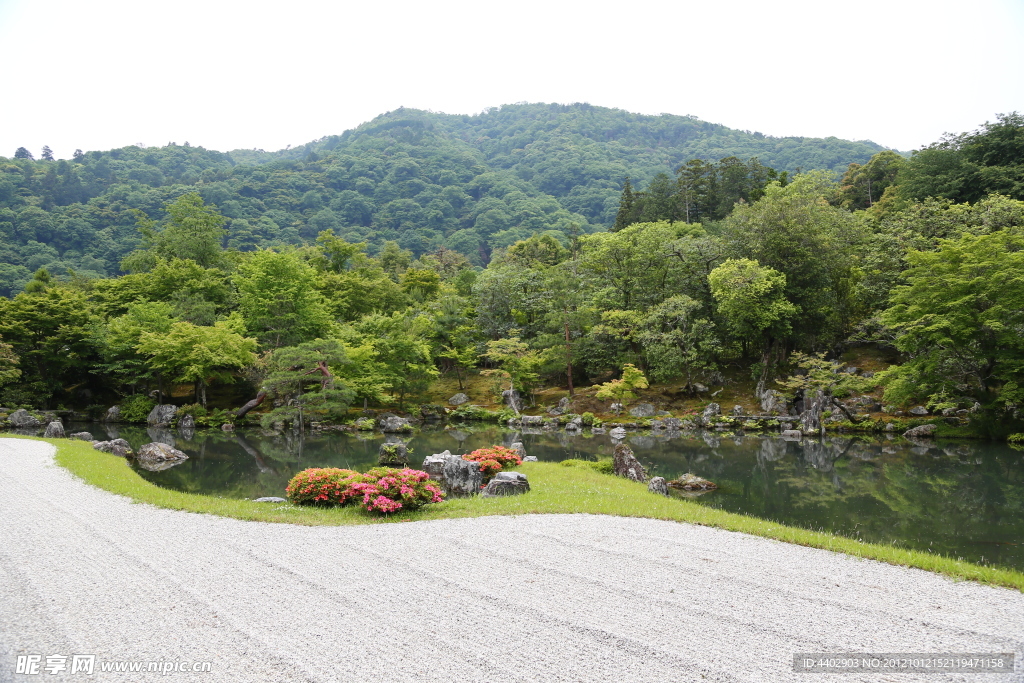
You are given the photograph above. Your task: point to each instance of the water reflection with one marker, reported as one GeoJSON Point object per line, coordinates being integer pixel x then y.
{"type": "Point", "coordinates": [964, 499]}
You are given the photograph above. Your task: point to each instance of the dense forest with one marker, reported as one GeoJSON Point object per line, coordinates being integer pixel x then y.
{"type": "Point", "coordinates": [471, 184]}
{"type": "Point", "coordinates": [699, 264]}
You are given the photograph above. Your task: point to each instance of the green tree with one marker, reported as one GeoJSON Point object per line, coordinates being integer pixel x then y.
{"type": "Point", "coordinates": [517, 360]}
{"type": "Point", "coordinates": [304, 377]}
{"type": "Point", "coordinates": [189, 353]}
{"type": "Point", "coordinates": [193, 231]}
{"type": "Point", "coordinates": [9, 371]}
{"type": "Point", "coordinates": [279, 300]}
{"type": "Point", "coordinates": [678, 342]}
{"type": "Point", "coordinates": [623, 390]}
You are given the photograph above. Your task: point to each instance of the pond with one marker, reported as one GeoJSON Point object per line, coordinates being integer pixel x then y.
{"type": "Point", "coordinates": [957, 498]}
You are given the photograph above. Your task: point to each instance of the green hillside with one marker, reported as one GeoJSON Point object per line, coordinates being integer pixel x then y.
{"type": "Point", "coordinates": [423, 179]}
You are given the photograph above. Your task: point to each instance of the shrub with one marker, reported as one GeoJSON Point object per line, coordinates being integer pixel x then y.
{"type": "Point", "coordinates": [494, 459]}
{"type": "Point", "coordinates": [386, 489]}
{"type": "Point", "coordinates": [588, 419]}
{"type": "Point", "coordinates": [604, 466]}
{"type": "Point", "coordinates": [323, 486]}
{"type": "Point", "coordinates": [136, 408]}
{"type": "Point", "coordinates": [196, 410]}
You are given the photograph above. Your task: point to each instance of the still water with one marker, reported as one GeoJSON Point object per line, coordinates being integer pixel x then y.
{"type": "Point", "coordinates": [957, 498]}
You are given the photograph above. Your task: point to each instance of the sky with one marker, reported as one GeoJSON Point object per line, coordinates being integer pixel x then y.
{"type": "Point", "coordinates": [225, 75]}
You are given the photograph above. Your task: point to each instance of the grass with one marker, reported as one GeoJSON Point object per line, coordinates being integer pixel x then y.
{"type": "Point", "coordinates": [555, 489]}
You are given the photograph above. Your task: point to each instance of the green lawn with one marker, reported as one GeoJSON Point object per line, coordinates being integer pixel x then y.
{"type": "Point", "coordinates": [556, 489]}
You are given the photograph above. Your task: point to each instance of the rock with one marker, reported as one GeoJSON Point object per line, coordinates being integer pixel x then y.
{"type": "Point", "coordinates": [159, 452]}
{"type": "Point", "coordinates": [393, 455]}
{"type": "Point", "coordinates": [919, 411]}
{"type": "Point", "coordinates": [575, 424]}
{"type": "Point", "coordinates": [658, 485]}
{"type": "Point", "coordinates": [458, 399]}
{"type": "Point", "coordinates": [851, 370]}
{"type": "Point", "coordinates": [434, 465]}
{"type": "Point", "coordinates": [186, 422]}
{"type": "Point", "coordinates": [432, 413]}
{"type": "Point", "coordinates": [867, 374]}
{"type": "Point", "coordinates": [598, 430]}
{"type": "Point", "coordinates": [519, 448]}
{"type": "Point", "coordinates": [530, 458]}
{"type": "Point", "coordinates": [269, 499]}
{"type": "Point", "coordinates": [615, 408]}
{"type": "Point", "coordinates": [117, 447]}
{"type": "Point", "coordinates": [774, 403]}
{"type": "Point", "coordinates": [84, 436]}
{"type": "Point", "coordinates": [514, 401]}
{"type": "Point", "coordinates": [364, 424]}
{"type": "Point", "coordinates": [712, 410]}
{"type": "Point", "coordinates": [814, 408]}
{"type": "Point", "coordinates": [737, 410]}
{"type": "Point", "coordinates": [672, 423]}
{"type": "Point", "coordinates": [626, 465]}
{"type": "Point", "coordinates": [394, 424]}
{"type": "Point", "coordinates": [657, 425]}
{"type": "Point", "coordinates": [890, 427]}
{"type": "Point", "coordinates": [227, 427]}
{"type": "Point", "coordinates": [617, 433]}
{"type": "Point", "coordinates": [54, 430]}
{"type": "Point", "coordinates": [461, 477]}
{"type": "Point", "coordinates": [642, 410]}
{"type": "Point", "coordinates": [918, 432]}
{"type": "Point", "coordinates": [792, 434]}
{"type": "Point", "coordinates": [691, 482]}
{"type": "Point", "coordinates": [532, 420]}
{"type": "Point", "coordinates": [949, 412]}
{"type": "Point", "coordinates": [561, 408]}
{"type": "Point", "coordinates": [113, 414]}
{"type": "Point", "coordinates": [162, 415]}
{"type": "Point", "coordinates": [20, 419]}
{"type": "Point", "coordinates": [699, 388]}
{"type": "Point", "coordinates": [507, 484]}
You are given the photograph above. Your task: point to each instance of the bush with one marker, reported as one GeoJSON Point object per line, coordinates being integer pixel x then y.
{"type": "Point", "coordinates": [323, 486]}
{"type": "Point", "coordinates": [605, 466]}
{"type": "Point", "coordinates": [136, 408]}
{"type": "Point", "coordinates": [494, 459]}
{"type": "Point", "coordinates": [386, 489]}
{"type": "Point", "coordinates": [196, 410]}
{"type": "Point", "coordinates": [588, 419]}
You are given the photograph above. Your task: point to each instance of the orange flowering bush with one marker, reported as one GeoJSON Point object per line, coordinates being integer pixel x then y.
{"type": "Point", "coordinates": [494, 459]}
{"type": "Point", "coordinates": [323, 486]}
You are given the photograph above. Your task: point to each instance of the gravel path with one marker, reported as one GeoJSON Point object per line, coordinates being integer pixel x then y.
{"type": "Point", "coordinates": [533, 598]}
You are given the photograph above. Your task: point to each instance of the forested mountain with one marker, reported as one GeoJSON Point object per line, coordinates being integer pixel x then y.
{"type": "Point", "coordinates": [423, 179]}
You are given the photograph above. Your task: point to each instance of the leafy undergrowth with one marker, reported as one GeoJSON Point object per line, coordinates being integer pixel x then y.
{"type": "Point", "coordinates": [554, 490]}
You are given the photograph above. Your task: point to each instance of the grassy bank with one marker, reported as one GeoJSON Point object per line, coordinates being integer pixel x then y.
{"type": "Point", "coordinates": [556, 489]}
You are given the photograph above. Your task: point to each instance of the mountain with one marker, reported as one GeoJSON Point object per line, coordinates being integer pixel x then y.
{"type": "Point", "coordinates": [423, 179]}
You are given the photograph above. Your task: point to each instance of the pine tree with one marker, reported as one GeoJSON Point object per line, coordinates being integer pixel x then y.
{"type": "Point", "coordinates": [626, 208]}
{"type": "Point", "coordinates": [47, 153]}
{"type": "Point", "coordinates": [23, 153]}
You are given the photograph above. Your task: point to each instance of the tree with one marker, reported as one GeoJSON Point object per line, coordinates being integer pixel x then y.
{"type": "Point", "coordinates": [47, 153]}
{"type": "Point", "coordinates": [303, 377]}
{"type": "Point", "coordinates": [862, 186]}
{"type": "Point", "coordinates": [678, 342]}
{"type": "Point", "coordinates": [627, 214]}
{"type": "Point", "coordinates": [193, 231]}
{"type": "Point", "coordinates": [189, 353]}
{"type": "Point", "coordinates": [22, 153]}
{"type": "Point", "coordinates": [119, 339]}
{"type": "Point", "coordinates": [279, 300]}
{"type": "Point", "coordinates": [622, 390]}
{"type": "Point", "coordinates": [958, 320]}
{"type": "Point", "coordinates": [516, 359]}
{"type": "Point", "coordinates": [9, 371]}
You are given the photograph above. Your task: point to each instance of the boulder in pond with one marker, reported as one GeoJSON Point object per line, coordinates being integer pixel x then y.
{"type": "Point", "coordinates": [617, 433]}
{"type": "Point", "coordinates": [458, 399]}
{"type": "Point", "coordinates": [506, 484]}
{"type": "Point", "coordinates": [113, 414]}
{"type": "Point", "coordinates": [918, 432]}
{"type": "Point", "coordinates": [117, 447]}
{"type": "Point", "coordinates": [83, 436]}
{"type": "Point", "coordinates": [54, 430]}
{"type": "Point", "coordinates": [434, 465]}
{"type": "Point", "coordinates": [773, 402]}
{"type": "Point", "coordinates": [643, 410]}
{"type": "Point", "coordinates": [186, 422]}
{"type": "Point", "coordinates": [672, 423]}
{"type": "Point", "coordinates": [575, 424]}
{"type": "Point", "coordinates": [737, 410]}
{"type": "Point", "coordinates": [364, 424]}
{"type": "Point", "coordinates": [162, 415]}
{"type": "Point", "coordinates": [519, 448]}
{"type": "Point", "coordinates": [227, 427]}
{"type": "Point", "coordinates": [532, 420]}
{"type": "Point", "coordinates": [393, 455]}
{"type": "Point", "coordinates": [158, 456]}
{"type": "Point", "coordinates": [712, 410]}
{"type": "Point", "coordinates": [20, 419]}
{"type": "Point", "coordinates": [658, 485]}
{"type": "Point", "coordinates": [394, 424]}
{"type": "Point", "coordinates": [792, 434]}
{"type": "Point", "coordinates": [691, 482]}
{"type": "Point", "coordinates": [918, 411]}
{"type": "Point", "coordinates": [626, 465]}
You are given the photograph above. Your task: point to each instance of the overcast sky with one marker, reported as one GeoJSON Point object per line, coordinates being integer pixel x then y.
{"type": "Point", "coordinates": [226, 74]}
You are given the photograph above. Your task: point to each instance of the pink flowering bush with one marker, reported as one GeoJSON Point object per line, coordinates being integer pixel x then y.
{"type": "Point", "coordinates": [494, 459]}
{"type": "Point", "coordinates": [386, 489]}
{"type": "Point", "coordinates": [323, 486]}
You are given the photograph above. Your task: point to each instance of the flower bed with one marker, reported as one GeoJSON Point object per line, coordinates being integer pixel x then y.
{"type": "Point", "coordinates": [382, 489]}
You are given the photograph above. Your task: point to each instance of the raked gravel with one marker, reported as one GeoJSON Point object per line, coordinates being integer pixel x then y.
{"type": "Point", "coordinates": [531, 598]}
